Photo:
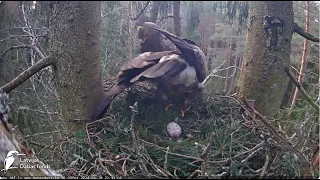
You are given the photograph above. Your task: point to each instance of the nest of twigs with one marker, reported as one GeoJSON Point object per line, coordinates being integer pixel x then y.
{"type": "Point", "coordinates": [221, 138]}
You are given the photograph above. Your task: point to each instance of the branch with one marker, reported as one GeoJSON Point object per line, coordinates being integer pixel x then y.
{"type": "Point", "coordinates": [13, 47]}
{"type": "Point", "coordinates": [272, 129]}
{"type": "Point", "coordinates": [304, 34]}
{"type": "Point", "coordinates": [305, 94]}
{"type": "Point", "coordinates": [25, 75]}
{"type": "Point", "coordinates": [132, 19]}
{"type": "Point", "coordinates": [204, 155]}
{"type": "Point", "coordinates": [165, 18]}
{"type": "Point", "coordinates": [135, 142]}
{"type": "Point", "coordinates": [17, 36]}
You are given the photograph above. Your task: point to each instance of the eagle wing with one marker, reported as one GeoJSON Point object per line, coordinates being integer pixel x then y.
{"type": "Point", "coordinates": [142, 67]}
{"type": "Point", "coordinates": [168, 67]}
{"type": "Point", "coordinates": [192, 53]}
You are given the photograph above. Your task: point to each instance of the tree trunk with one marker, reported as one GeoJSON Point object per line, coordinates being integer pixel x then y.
{"type": "Point", "coordinates": [9, 17]}
{"type": "Point", "coordinates": [155, 11]}
{"type": "Point", "coordinates": [75, 44]}
{"type": "Point", "coordinates": [304, 58]}
{"type": "Point", "coordinates": [176, 18]}
{"type": "Point", "coordinates": [267, 53]}
{"type": "Point", "coordinates": [130, 32]}
{"type": "Point", "coordinates": [288, 87]}
{"type": "Point", "coordinates": [228, 64]}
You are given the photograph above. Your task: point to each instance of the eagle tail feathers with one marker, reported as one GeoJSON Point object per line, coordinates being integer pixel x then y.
{"type": "Point", "coordinates": [103, 106]}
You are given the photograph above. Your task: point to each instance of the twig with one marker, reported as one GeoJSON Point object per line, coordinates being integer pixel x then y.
{"type": "Point", "coordinates": [37, 144]}
{"type": "Point", "coordinates": [297, 71]}
{"type": "Point", "coordinates": [132, 19]}
{"type": "Point", "coordinates": [38, 134]}
{"type": "Point", "coordinates": [204, 155]}
{"type": "Point", "coordinates": [251, 154]}
{"type": "Point", "coordinates": [21, 78]}
{"type": "Point", "coordinates": [164, 19]}
{"type": "Point", "coordinates": [181, 155]}
{"type": "Point", "coordinates": [123, 169]}
{"type": "Point", "coordinates": [16, 36]}
{"type": "Point", "coordinates": [194, 173]}
{"type": "Point", "coordinates": [14, 47]}
{"type": "Point", "coordinates": [38, 111]}
{"type": "Point", "coordinates": [265, 166]}
{"type": "Point", "coordinates": [88, 162]}
{"type": "Point", "coordinates": [304, 34]}
{"type": "Point", "coordinates": [135, 142]}
{"type": "Point", "coordinates": [250, 150]}
{"type": "Point", "coordinates": [165, 164]}
{"type": "Point", "coordinates": [272, 129]}
{"type": "Point", "coordinates": [305, 94]}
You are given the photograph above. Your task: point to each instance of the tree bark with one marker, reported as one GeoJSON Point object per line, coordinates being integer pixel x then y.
{"type": "Point", "coordinates": [155, 11]}
{"type": "Point", "coordinates": [176, 18]}
{"type": "Point", "coordinates": [130, 32]}
{"type": "Point", "coordinates": [304, 58]}
{"type": "Point", "coordinates": [285, 100]}
{"type": "Point", "coordinates": [9, 17]}
{"type": "Point", "coordinates": [75, 44]}
{"type": "Point", "coordinates": [267, 54]}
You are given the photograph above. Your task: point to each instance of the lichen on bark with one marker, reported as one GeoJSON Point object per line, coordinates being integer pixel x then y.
{"type": "Point", "coordinates": [75, 43]}
{"type": "Point", "coordinates": [267, 53]}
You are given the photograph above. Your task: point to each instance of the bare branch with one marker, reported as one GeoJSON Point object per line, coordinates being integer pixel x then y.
{"type": "Point", "coordinates": [16, 36]}
{"type": "Point", "coordinates": [304, 34]}
{"type": "Point", "coordinates": [305, 94]}
{"type": "Point", "coordinates": [165, 18]}
{"type": "Point", "coordinates": [132, 19]}
{"type": "Point", "coordinates": [135, 141]}
{"type": "Point", "coordinates": [27, 74]}
{"type": "Point", "coordinates": [14, 47]}
{"type": "Point", "coordinates": [272, 129]}
{"type": "Point", "coordinates": [204, 155]}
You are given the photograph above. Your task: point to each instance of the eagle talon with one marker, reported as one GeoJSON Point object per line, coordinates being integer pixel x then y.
{"type": "Point", "coordinates": [169, 105]}
{"type": "Point", "coordinates": [182, 112]}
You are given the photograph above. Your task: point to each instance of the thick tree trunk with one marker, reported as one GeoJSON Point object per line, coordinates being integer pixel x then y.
{"type": "Point", "coordinates": [304, 58]}
{"type": "Point", "coordinates": [176, 18]}
{"type": "Point", "coordinates": [267, 53]}
{"type": "Point", "coordinates": [155, 11]}
{"type": "Point", "coordinates": [75, 43]}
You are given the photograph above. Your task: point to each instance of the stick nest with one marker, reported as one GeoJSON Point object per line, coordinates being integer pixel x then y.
{"type": "Point", "coordinates": [221, 138]}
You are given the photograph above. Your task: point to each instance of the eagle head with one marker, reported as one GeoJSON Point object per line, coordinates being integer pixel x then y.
{"type": "Point", "coordinates": [144, 32]}
{"type": "Point", "coordinates": [152, 40]}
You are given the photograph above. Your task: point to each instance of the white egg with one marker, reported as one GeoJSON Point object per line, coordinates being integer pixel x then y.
{"type": "Point", "coordinates": [174, 129]}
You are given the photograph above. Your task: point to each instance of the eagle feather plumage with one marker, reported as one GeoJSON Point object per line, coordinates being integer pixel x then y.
{"type": "Point", "coordinates": [172, 63]}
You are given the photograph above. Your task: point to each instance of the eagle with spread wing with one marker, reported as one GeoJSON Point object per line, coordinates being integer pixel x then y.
{"type": "Point", "coordinates": [177, 65]}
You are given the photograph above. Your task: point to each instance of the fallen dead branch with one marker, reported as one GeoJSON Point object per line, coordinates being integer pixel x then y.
{"type": "Point", "coordinates": [204, 155]}
{"type": "Point", "coordinates": [135, 142]}
{"type": "Point", "coordinates": [272, 129]}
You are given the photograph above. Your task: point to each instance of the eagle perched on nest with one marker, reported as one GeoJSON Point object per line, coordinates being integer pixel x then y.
{"type": "Point", "coordinates": [177, 65]}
